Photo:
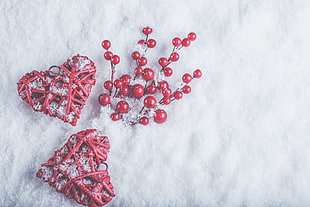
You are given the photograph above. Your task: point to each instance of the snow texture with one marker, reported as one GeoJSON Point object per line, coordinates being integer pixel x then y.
{"type": "Point", "coordinates": [241, 138]}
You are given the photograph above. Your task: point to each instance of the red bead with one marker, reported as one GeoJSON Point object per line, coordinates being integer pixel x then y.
{"type": "Point", "coordinates": [118, 83]}
{"type": "Point", "coordinates": [104, 99]}
{"type": "Point", "coordinates": [168, 72]}
{"type": "Point", "coordinates": [151, 89]}
{"type": "Point", "coordinates": [176, 41]}
{"type": "Point", "coordinates": [186, 78]}
{"type": "Point", "coordinates": [186, 42]}
{"type": "Point", "coordinates": [160, 116]}
{"type": "Point", "coordinates": [144, 121]}
{"type": "Point", "coordinates": [197, 73]}
{"type": "Point", "coordinates": [141, 42]}
{"type": "Point", "coordinates": [115, 59]}
{"type": "Point", "coordinates": [124, 90]}
{"type": "Point", "coordinates": [149, 102]}
{"type": "Point", "coordinates": [166, 100]}
{"type": "Point", "coordinates": [186, 89]}
{"type": "Point", "coordinates": [125, 79]}
{"type": "Point", "coordinates": [163, 61]}
{"type": "Point", "coordinates": [162, 85]}
{"type": "Point", "coordinates": [192, 36]}
{"type": "Point", "coordinates": [138, 70]}
{"type": "Point", "coordinates": [115, 116]}
{"type": "Point", "coordinates": [137, 90]}
{"type": "Point", "coordinates": [108, 55]}
{"type": "Point", "coordinates": [122, 107]}
{"type": "Point", "coordinates": [142, 61]}
{"type": "Point", "coordinates": [174, 56]}
{"type": "Point", "coordinates": [166, 92]}
{"type": "Point", "coordinates": [106, 44]}
{"type": "Point", "coordinates": [135, 55]}
{"type": "Point", "coordinates": [108, 85]}
{"type": "Point", "coordinates": [147, 30]}
{"type": "Point", "coordinates": [151, 43]}
{"type": "Point", "coordinates": [178, 95]}
{"type": "Point", "coordinates": [148, 74]}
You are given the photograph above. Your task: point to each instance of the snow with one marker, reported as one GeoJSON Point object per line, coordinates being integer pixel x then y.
{"type": "Point", "coordinates": [241, 138]}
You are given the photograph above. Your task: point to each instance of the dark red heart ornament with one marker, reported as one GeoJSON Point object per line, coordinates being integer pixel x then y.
{"type": "Point", "coordinates": [61, 91]}
{"type": "Point", "coordinates": [79, 171]}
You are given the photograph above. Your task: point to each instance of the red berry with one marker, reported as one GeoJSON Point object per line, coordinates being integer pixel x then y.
{"type": "Point", "coordinates": [115, 59]}
{"type": "Point", "coordinates": [106, 44]}
{"type": "Point", "coordinates": [168, 72]}
{"type": "Point", "coordinates": [151, 89]}
{"type": "Point", "coordinates": [186, 42]}
{"type": "Point", "coordinates": [108, 55]}
{"type": "Point", "coordinates": [137, 90]}
{"type": "Point", "coordinates": [142, 61]}
{"type": "Point", "coordinates": [141, 42]}
{"type": "Point", "coordinates": [166, 92]}
{"type": "Point", "coordinates": [186, 78]}
{"type": "Point", "coordinates": [135, 55]}
{"type": "Point", "coordinates": [166, 100]}
{"type": "Point", "coordinates": [186, 89]}
{"type": "Point", "coordinates": [151, 43]}
{"type": "Point", "coordinates": [174, 56]}
{"type": "Point", "coordinates": [147, 30]}
{"type": "Point", "coordinates": [192, 36]}
{"type": "Point", "coordinates": [160, 116]}
{"type": "Point", "coordinates": [124, 90]}
{"type": "Point", "coordinates": [176, 41]}
{"type": "Point", "coordinates": [163, 61]}
{"type": "Point", "coordinates": [197, 73]}
{"type": "Point", "coordinates": [148, 74]}
{"type": "Point", "coordinates": [118, 83]}
{"type": "Point", "coordinates": [122, 107]}
{"type": "Point", "coordinates": [149, 102]}
{"type": "Point", "coordinates": [104, 99]}
{"type": "Point", "coordinates": [144, 121]}
{"type": "Point", "coordinates": [108, 85]}
{"type": "Point", "coordinates": [138, 70]}
{"type": "Point", "coordinates": [125, 79]}
{"type": "Point", "coordinates": [178, 95]}
{"type": "Point", "coordinates": [115, 116]}
{"type": "Point", "coordinates": [162, 85]}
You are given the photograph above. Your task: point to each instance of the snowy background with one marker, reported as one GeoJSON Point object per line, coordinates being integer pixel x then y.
{"type": "Point", "coordinates": [241, 138]}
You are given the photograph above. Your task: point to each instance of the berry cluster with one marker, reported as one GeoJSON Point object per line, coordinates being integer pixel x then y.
{"type": "Point", "coordinates": [144, 90]}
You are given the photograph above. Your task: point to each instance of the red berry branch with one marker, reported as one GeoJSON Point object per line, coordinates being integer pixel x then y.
{"type": "Point", "coordinates": [135, 99]}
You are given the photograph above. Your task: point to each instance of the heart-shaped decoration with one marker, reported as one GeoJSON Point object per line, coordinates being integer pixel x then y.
{"type": "Point", "coordinates": [61, 91]}
{"type": "Point", "coordinates": [79, 171]}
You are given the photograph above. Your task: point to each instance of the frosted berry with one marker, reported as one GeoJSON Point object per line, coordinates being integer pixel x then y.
{"type": "Point", "coordinates": [108, 85]}
{"type": "Point", "coordinates": [174, 56]}
{"type": "Point", "coordinates": [115, 59]}
{"type": "Point", "coordinates": [141, 42]}
{"type": "Point", "coordinates": [122, 107]}
{"type": "Point", "coordinates": [149, 102]}
{"type": "Point", "coordinates": [118, 83]}
{"type": "Point", "coordinates": [124, 90]}
{"type": "Point", "coordinates": [163, 61]}
{"type": "Point", "coordinates": [144, 121]}
{"type": "Point", "coordinates": [186, 42]}
{"type": "Point", "coordinates": [166, 100]}
{"type": "Point", "coordinates": [192, 36]}
{"type": "Point", "coordinates": [104, 99]}
{"type": "Point", "coordinates": [135, 55]}
{"type": "Point", "coordinates": [197, 73]}
{"type": "Point", "coordinates": [168, 72]}
{"type": "Point", "coordinates": [138, 70]}
{"type": "Point", "coordinates": [177, 41]}
{"type": "Point", "coordinates": [186, 89]}
{"type": "Point", "coordinates": [178, 95]}
{"type": "Point", "coordinates": [148, 74]}
{"type": "Point", "coordinates": [115, 116]}
{"type": "Point", "coordinates": [147, 30]}
{"type": "Point", "coordinates": [151, 89]}
{"type": "Point", "coordinates": [160, 116]}
{"type": "Point", "coordinates": [125, 79]}
{"type": "Point", "coordinates": [142, 61]}
{"type": "Point", "coordinates": [162, 85]}
{"type": "Point", "coordinates": [106, 44]}
{"type": "Point", "coordinates": [166, 92]}
{"type": "Point", "coordinates": [186, 78]}
{"type": "Point", "coordinates": [137, 90]}
{"type": "Point", "coordinates": [108, 55]}
{"type": "Point", "coordinates": [151, 43]}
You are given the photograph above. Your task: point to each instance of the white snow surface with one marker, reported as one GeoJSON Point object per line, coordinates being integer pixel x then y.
{"type": "Point", "coordinates": [241, 138]}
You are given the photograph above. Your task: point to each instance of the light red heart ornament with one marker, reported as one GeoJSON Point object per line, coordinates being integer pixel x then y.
{"type": "Point", "coordinates": [60, 91]}
{"type": "Point", "coordinates": [79, 171]}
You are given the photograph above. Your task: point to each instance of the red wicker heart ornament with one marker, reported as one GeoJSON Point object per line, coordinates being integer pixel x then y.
{"type": "Point", "coordinates": [79, 171]}
{"type": "Point", "coordinates": [61, 91]}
